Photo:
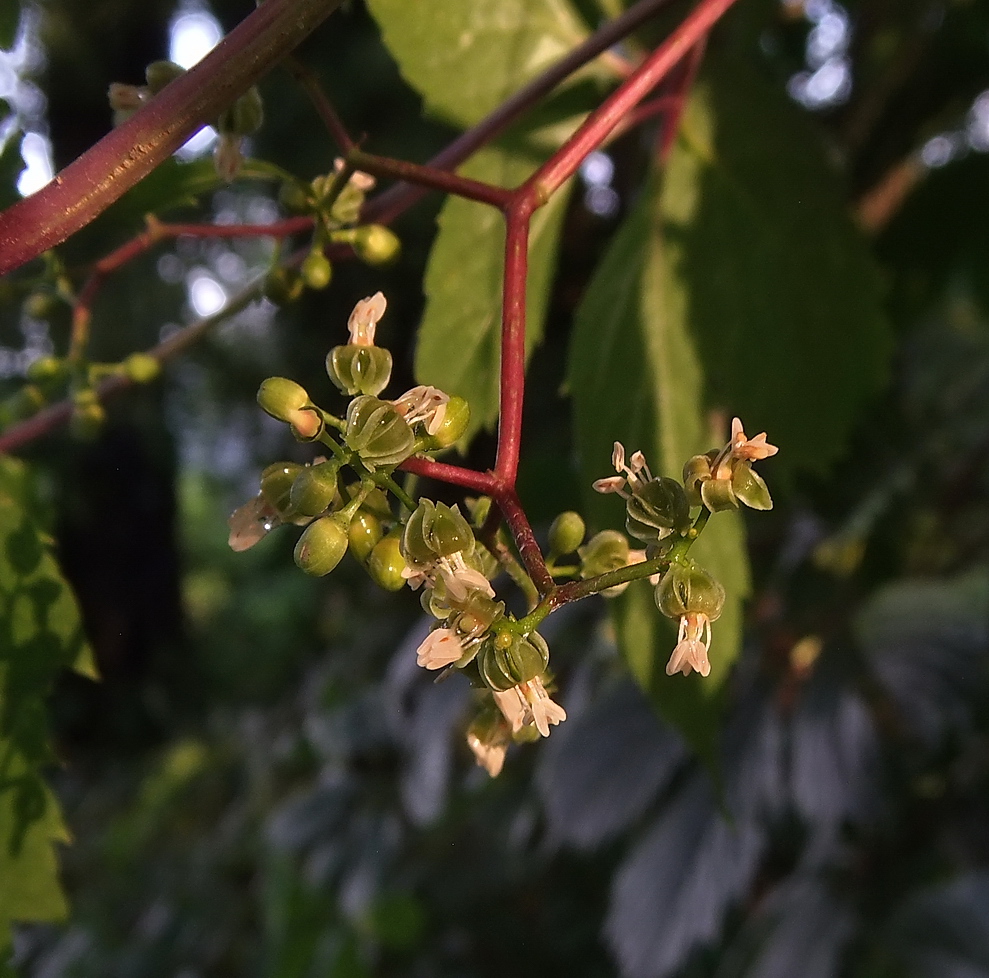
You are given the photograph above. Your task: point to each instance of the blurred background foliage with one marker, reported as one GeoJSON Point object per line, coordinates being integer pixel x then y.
{"type": "Point", "coordinates": [263, 783]}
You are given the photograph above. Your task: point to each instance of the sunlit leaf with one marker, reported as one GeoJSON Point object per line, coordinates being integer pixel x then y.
{"type": "Point", "coordinates": [465, 59]}
{"type": "Point", "coordinates": [459, 340]}
{"type": "Point", "coordinates": [635, 378]}
{"type": "Point", "coordinates": [40, 634]}
{"type": "Point", "coordinates": [780, 292]}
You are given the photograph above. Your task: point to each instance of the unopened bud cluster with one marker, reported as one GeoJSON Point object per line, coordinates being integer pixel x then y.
{"type": "Point", "coordinates": [239, 120]}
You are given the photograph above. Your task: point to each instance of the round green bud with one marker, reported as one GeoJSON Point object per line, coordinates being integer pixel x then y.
{"type": "Point", "coordinates": [749, 487]}
{"type": "Point", "coordinates": [315, 488]}
{"type": "Point", "coordinates": [454, 424]}
{"type": "Point", "coordinates": [566, 533]}
{"type": "Point", "coordinates": [321, 546]}
{"type": "Point", "coordinates": [294, 197]}
{"type": "Point", "coordinates": [605, 551]}
{"type": "Point", "coordinates": [276, 487]}
{"type": "Point", "coordinates": [357, 369]}
{"type": "Point", "coordinates": [46, 368]}
{"type": "Point", "coordinates": [316, 269]}
{"type": "Point", "coordinates": [521, 661]}
{"type": "Point", "coordinates": [142, 368]}
{"type": "Point", "coordinates": [686, 588]}
{"type": "Point", "coordinates": [385, 563]}
{"type": "Point", "coordinates": [282, 398]}
{"type": "Point", "coordinates": [364, 533]}
{"type": "Point", "coordinates": [376, 244]}
{"type": "Point", "coordinates": [477, 613]}
{"type": "Point", "coordinates": [159, 73]}
{"type": "Point", "coordinates": [283, 285]}
{"type": "Point", "coordinates": [244, 117]}
{"type": "Point", "coordinates": [657, 509]}
{"type": "Point", "coordinates": [87, 420]}
{"type": "Point", "coordinates": [377, 432]}
{"type": "Point", "coordinates": [41, 305]}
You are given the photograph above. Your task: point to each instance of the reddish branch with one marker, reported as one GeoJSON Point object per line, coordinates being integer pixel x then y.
{"type": "Point", "coordinates": [88, 185]}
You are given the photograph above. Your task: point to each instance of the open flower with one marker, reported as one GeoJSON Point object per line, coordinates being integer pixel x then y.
{"type": "Point", "coordinates": [423, 405]}
{"type": "Point", "coordinates": [440, 648]}
{"type": "Point", "coordinates": [750, 449]}
{"type": "Point", "coordinates": [364, 319]}
{"type": "Point", "coordinates": [692, 646]}
{"type": "Point", "coordinates": [457, 576]}
{"type": "Point", "coordinates": [530, 703]}
{"type": "Point", "coordinates": [630, 477]}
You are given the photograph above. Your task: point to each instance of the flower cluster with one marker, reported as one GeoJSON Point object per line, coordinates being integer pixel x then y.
{"type": "Point", "coordinates": [657, 512]}
{"type": "Point", "coordinates": [473, 630]}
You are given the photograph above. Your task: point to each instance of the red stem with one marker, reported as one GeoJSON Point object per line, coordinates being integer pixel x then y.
{"type": "Point", "coordinates": [398, 199]}
{"type": "Point", "coordinates": [513, 337]}
{"type": "Point", "coordinates": [682, 85]}
{"type": "Point", "coordinates": [482, 482]}
{"type": "Point", "coordinates": [507, 501]}
{"type": "Point", "coordinates": [323, 106]}
{"type": "Point", "coordinates": [603, 120]}
{"type": "Point", "coordinates": [88, 185]}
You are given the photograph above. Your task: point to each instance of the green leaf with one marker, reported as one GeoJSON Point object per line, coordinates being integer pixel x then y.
{"type": "Point", "coordinates": [780, 291]}
{"type": "Point", "coordinates": [465, 59]}
{"type": "Point", "coordinates": [635, 377]}
{"type": "Point", "coordinates": [459, 340]}
{"type": "Point", "coordinates": [40, 633]}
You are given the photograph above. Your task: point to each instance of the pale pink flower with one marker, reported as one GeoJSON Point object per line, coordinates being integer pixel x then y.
{"type": "Point", "coordinates": [358, 179]}
{"type": "Point", "coordinates": [364, 319]}
{"type": "Point", "coordinates": [489, 754]}
{"type": "Point", "coordinates": [440, 648]}
{"type": "Point", "coordinates": [250, 523]}
{"type": "Point", "coordinates": [530, 703]}
{"type": "Point", "coordinates": [750, 449]}
{"type": "Point", "coordinates": [425, 405]}
{"type": "Point", "coordinates": [693, 643]}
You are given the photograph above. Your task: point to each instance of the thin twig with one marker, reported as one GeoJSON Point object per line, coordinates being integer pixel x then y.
{"type": "Point", "coordinates": [323, 106]}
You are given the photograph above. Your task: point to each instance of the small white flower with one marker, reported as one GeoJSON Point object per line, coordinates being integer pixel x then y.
{"type": "Point", "coordinates": [459, 577]}
{"type": "Point", "coordinates": [364, 319]}
{"type": "Point", "coordinates": [425, 405]}
{"type": "Point", "coordinates": [358, 179]}
{"type": "Point", "coordinates": [530, 703]}
{"type": "Point", "coordinates": [693, 643]}
{"type": "Point", "coordinates": [489, 754]}
{"type": "Point", "coordinates": [440, 648]}
{"type": "Point", "coordinates": [631, 477]}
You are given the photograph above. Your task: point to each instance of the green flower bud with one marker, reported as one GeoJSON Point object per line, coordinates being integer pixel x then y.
{"type": "Point", "coordinates": [566, 533]}
{"type": "Point", "coordinates": [46, 368]}
{"type": "Point", "coordinates": [142, 368]}
{"type": "Point", "coordinates": [436, 530]}
{"type": "Point", "coordinates": [321, 546]}
{"type": "Point", "coordinates": [364, 533]}
{"type": "Point", "coordinates": [376, 244]}
{"type": "Point", "coordinates": [315, 488]}
{"type": "Point", "coordinates": [244, 117]}
{"type": "Point", "coordinates": [287, 401]}
{"type": "Point", "coordinates": [276, 487]}
{"type": "Point", "coordinates": [504, 665]}
{"type": "Point", "coordinates": [687, 588]}
{"type": "Point", "coordinates": [386, 563]}
{"type": "Point", "coordinates": [718, 495]}
{"type": "Point", "coordinates": [159, 73]}
{"type": "Point", "coordinates": [605, 551]}
{"type": "Point", "coordinates": [41, 305]}
{"type": "Point", "coordinates": [377, 432]}
{"type": "Point", "coordinates": [749, 487]}
{"type": "Point", "coordinates": [316, 269]}
{"type": "Point", "coordinates": [359, 369]}
{"type": "Point", "coordinates": [283, 285]}
{"type": "Point", "coordinates": [478, 613]}
{"type": "Point", "coordinates": [656, 509]}
{"type": "Point", "coordinates": [452, 427]}
{"type": "Point", "coordinates": [88, 415]}
{"type": "Point", "coordinates": [695, 471]}
{"type": "Point", "coordinates": [294, 197]}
